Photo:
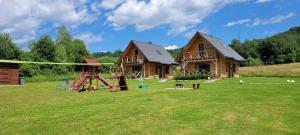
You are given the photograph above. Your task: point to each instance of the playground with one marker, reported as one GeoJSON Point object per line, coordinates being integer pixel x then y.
{"type": "Point", "coordinates": [257, 106]}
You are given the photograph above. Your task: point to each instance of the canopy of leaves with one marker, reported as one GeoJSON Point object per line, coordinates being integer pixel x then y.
{"type": "Point", "coordinates": [8, 49]}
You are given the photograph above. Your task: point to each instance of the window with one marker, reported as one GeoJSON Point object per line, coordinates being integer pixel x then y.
{"type": "Point", "coordinates": [201, 49]}
{"type": "Point", "coordinates": [158, 52]}
{"type": "Point", "coordinates": [136, 52]}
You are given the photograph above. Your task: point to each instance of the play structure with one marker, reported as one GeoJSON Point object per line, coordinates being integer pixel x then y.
{"type": "Point", "coordinates": [91, 72]}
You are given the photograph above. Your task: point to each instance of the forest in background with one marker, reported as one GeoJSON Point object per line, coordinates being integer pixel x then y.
{"type": "Point", "coordinates": [278, 49]}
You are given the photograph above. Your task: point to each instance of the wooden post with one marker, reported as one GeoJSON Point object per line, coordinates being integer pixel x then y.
{"type": "Point", "coordinates": [144, 71]}
{"type": "Point", "coordinates": [216, 64]}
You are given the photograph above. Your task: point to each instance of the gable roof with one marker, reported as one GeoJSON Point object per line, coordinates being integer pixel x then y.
{"type": "Point", "coordinates": [154, 53]}
{"type": "Point", "coordinates": [224, 49]}
{"type": "Point", "coordinates": [219, 45]}
{"type": "Point", "coordinates": [92, 62]}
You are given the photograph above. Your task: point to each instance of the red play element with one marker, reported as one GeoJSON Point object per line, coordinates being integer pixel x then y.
{"type": "Point", "coordinates": [105, 82]}
{"type": "Point", "coordinates": [92, 62]}
{"type": "Point", "coordinates": [78, 83]}
{"type": "Point", "coordinates": [91, 71]}
{"type": "Point", "coordinates": [86, 79]}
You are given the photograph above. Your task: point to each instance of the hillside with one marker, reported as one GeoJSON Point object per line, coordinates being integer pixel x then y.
{"type": "Point", "coordinates": [278, 49]}
{"type": "Point", "coordinates": [281, 70]}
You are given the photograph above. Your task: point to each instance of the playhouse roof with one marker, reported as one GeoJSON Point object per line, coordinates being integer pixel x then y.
{"type": "Point", "coordinates": [154, 53]}
{"type": "Point", "coordinates": [91, 62]}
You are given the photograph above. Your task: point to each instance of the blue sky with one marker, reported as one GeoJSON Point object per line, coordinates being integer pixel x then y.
{"type": "Point", "coordinates": [108, 25]}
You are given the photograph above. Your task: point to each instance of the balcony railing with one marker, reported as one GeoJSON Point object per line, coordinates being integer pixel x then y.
{"type": "Point", "coordinates": [199, 56]}
{"type": "Point", "coordinates": [135, 60]}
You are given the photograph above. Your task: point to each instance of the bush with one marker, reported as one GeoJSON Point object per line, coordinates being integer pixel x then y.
{"type": "Point", "coordinates": [51, 77]}
{"type": "Point", "coordinates": [252, 62]}
{"type": "Point", "coordinates": [193, 76]}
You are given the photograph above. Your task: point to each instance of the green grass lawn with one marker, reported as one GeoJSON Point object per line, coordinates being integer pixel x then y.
{"type": "Point", "coordinates": [223, 107]}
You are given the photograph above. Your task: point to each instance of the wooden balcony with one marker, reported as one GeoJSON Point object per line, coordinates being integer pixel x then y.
{"type": "Point", "coordinates": [135, 60]}
{"type": "Point", "coordinates": [199, 56]}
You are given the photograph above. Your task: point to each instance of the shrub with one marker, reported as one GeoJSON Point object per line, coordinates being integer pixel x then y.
{"type": "Point", "coordinates": [193, 76]}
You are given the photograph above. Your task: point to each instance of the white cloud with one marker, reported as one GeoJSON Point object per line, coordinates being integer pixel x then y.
{"type": "Point", "coordinates": [263, 1]}
{"type": "Point", "coordinates": [179, 15]}
{"type": "Point", "coordinates": [88, 37]}
{"type": "Point", "coordinates": [273, 20]}
{"type": "Point", "coordinates": [191, 33]}
{"type": "Point", "coordinates": [259, 21]}
{"type": "Point", "coordinates": [23, 18]}
{"type": "Point", "coordinates": [171, 47]}
{"type": "Point", "coordinates": [239, 22]}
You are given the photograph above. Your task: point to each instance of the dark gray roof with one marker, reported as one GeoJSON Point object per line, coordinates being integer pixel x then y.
{"type": "Point", "coordinates": [224, 49]}
{"type": "Point", "coordinates": [154, 53]}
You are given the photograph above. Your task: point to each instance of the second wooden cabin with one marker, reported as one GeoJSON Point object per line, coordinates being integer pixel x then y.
{"type": "Point", "coordinates": [207, 53]}
{"type": "Point", "coordinates": [147, 60]}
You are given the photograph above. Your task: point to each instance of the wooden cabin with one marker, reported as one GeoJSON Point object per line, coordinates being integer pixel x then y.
{"type": "Point", "coordinates": [147, 60]}
{"type": "Point", "coordinates": [207, 53]}
{"type": "Point", "coordinates": [9, 74]}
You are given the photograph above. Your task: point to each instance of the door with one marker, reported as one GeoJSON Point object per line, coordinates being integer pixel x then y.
{"type": "Point", "coordinates": [203, 67]}
{"type": "Point", "coordinates": [230, 68]}
{"type": "Point", "coordinates": [160, 72]}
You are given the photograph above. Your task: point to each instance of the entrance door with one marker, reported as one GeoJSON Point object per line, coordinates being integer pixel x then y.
{"type": "Point", "coordinates": [202, 67]}
{"type": "Point", "coordinates": [230, 70]}
{"type": "Point", "coordinates": [160, 72]}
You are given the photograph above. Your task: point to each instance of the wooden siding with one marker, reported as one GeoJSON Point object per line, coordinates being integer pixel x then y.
{"type": "Point", "coordinates": [129, 59]}
{"type": "Point", "coordinates": [213, 58]}
{"type": "Point", "coordinates": [9, 74]}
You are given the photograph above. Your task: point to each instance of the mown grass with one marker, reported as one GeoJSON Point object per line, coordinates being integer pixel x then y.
{"type": "Point", "coordinates": [282, 70]}
{"type": "Point", "coordinates": [260, 106]}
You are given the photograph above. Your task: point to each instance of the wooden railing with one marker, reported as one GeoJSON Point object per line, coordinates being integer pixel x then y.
{"type": "Point", "coordinates": [131, 60]}
{"type": "Point", "coordinates": [198, 56]}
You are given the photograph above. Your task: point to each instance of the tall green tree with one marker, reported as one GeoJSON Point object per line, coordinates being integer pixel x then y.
{"type": "Point", "coordinates": [79, 51]}
{"type": "Point", "coordinates": [43, 49]}
{"type": "Point", "coordinates": [8, 49]}
{"type": "Point", "coordinates": [63, 41]}
{"type": "Point", "coordinates": [63, 36]}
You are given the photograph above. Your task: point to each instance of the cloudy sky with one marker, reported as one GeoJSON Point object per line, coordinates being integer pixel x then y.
{"type": "Point", "coordinates": [108, 25]}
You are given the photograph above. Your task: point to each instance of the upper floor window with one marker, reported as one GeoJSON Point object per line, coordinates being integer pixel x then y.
{"type": "Point", "coordinates": [201, 47]}
{"type": "Point", "coordinates": [136, 52]}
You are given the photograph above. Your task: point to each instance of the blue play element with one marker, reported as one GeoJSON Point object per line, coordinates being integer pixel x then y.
{"type": "Point", "coordinates": [143, 86]}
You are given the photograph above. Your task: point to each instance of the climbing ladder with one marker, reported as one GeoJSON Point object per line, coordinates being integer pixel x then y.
{"type": "Point", "coordinates": [87, 77]}
{"type": "Point", "coordinates": [78, 83]}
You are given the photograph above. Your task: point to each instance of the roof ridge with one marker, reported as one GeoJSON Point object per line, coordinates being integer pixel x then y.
{"type": "Point", "coordinates": [147, 43]}
{"type": "Point", "coordinates": [211, 36]}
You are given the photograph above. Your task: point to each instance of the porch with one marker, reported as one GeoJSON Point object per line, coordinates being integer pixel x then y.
{"type": "Point", "coordinates": [205, 61]}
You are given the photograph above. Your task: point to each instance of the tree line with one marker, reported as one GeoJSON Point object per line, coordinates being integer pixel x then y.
{"type": "Point", "coordinates": [63, 49]}
{"type": "Point", "coordinates": [278, 49]}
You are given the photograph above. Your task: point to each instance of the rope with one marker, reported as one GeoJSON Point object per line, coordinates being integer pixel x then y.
{"type": "Point", "coordinates": [47, 63]}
